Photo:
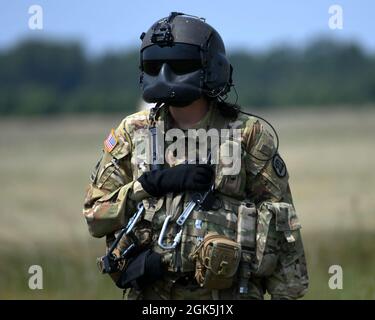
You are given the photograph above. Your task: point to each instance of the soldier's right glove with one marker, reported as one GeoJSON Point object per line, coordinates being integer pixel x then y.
{"type": "Point", "coordinates": [180, 178]}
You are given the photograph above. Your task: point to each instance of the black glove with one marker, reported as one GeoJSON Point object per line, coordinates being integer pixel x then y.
{"type": "Point", "coordinates": [183, 177]}
{"type": "Point", "coordinates": [142, 271]}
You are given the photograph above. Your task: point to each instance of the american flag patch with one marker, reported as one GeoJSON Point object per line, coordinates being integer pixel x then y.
{"type": "Point", "coordinates": [110, 142]}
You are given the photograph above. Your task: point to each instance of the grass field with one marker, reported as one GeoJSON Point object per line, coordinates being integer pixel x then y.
{"type": "Point", "coordinates": [44, 169]}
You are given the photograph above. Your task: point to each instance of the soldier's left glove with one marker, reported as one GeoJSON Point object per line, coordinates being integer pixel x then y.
{"type": "Point", "coordinates": [183, 177]}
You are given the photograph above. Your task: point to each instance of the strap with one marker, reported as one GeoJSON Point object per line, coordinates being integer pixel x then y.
{"type": "Point", "coordinates": [152, 205]}
{"type": "Point", "coordinates": [153, 113]}
{"type": "Point", "coordinates": [173, 205]}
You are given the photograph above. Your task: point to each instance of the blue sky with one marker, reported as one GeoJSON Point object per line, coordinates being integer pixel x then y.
{"type": "Point", "coordinates": [253, 25]}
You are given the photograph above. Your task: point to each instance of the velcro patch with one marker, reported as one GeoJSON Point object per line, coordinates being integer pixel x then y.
{"type": "Point", "coordinates": [279, 166]}
{"type": "Point", "coordinates": [110, 142]}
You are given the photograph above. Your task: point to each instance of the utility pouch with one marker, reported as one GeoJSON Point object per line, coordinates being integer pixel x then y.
{"type": "Point", "coordinates": [246, 225]}
{"type": "Point", "coordinates": [217, 259]}
{"type": "Point", "coordinates": [246, 229]}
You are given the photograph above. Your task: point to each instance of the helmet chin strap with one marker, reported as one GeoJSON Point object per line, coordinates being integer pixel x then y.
{"type": "Point", "coordinates": [181, 104]}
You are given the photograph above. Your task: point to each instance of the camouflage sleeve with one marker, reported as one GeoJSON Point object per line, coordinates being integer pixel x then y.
{"type": "Point", "coordinates": [112, 195]}
{"type": "Point", "coordinates": [267, 175]}
{"type": "Point", "coordinates": [267, 183]}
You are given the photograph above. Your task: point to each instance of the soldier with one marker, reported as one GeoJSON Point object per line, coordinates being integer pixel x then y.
{"type": "Point", "coordinates": [240, 237]}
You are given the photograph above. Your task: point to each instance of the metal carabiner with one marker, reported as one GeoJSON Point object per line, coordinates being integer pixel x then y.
{"type": "Point", "coordinates": [124, 231]}
{"type": "Point", "coordinates": [196, 201]}
{"type": "Point", "coordinates": [176, 239]}
{"type": "Point", "coordinates": [134, 219]}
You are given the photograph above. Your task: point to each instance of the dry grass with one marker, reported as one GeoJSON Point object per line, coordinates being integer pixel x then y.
{"type": "Point", "coordinates": [45, 165]}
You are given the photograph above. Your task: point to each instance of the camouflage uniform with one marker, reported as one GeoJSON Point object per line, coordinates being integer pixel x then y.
{"type": "Point", "coordinates": [113, 194]}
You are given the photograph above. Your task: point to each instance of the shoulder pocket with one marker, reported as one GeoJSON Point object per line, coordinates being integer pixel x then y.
{"type": "Point", "coordinates": [121, 150]}
{"type": "Point", "coordinates": [274, 184]}
{"type": "Point", "coordinates": [111, 167]}
{"type": "Point", "coordinates": [105, 173]}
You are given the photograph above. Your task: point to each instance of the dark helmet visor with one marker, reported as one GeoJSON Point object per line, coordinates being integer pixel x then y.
{"type": "Point", "coordinates": [182, 58]}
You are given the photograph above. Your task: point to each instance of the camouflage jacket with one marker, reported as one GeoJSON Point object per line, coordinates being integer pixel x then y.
{"type": "Point", "coordinates": [114, 191]}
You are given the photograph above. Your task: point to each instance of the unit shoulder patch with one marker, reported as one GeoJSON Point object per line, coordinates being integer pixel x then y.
{"type": "Point", "coordinates": [279, 166]}
{"type": "Point", "coordinates": [111, 141]}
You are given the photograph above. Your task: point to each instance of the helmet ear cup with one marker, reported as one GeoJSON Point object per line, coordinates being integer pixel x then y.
{"type": "Point", "coordinates": [218, 72]}
{"type": "Point", "coordinates": [218, 69]}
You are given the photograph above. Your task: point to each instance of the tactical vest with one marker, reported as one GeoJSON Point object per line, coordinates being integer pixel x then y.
{"type": "Point", "coordinates": [221, 219]}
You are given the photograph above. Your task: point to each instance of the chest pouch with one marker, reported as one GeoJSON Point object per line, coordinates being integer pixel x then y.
{"type": "Point", "coordinates": [217, 258]}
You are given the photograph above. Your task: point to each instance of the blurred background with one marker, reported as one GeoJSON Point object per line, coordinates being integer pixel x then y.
{"type": "Point", "coordinates": [71, 74]}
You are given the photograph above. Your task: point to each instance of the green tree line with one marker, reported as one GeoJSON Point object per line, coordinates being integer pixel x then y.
{"type": "Point", "coordinates": [46, 77]}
